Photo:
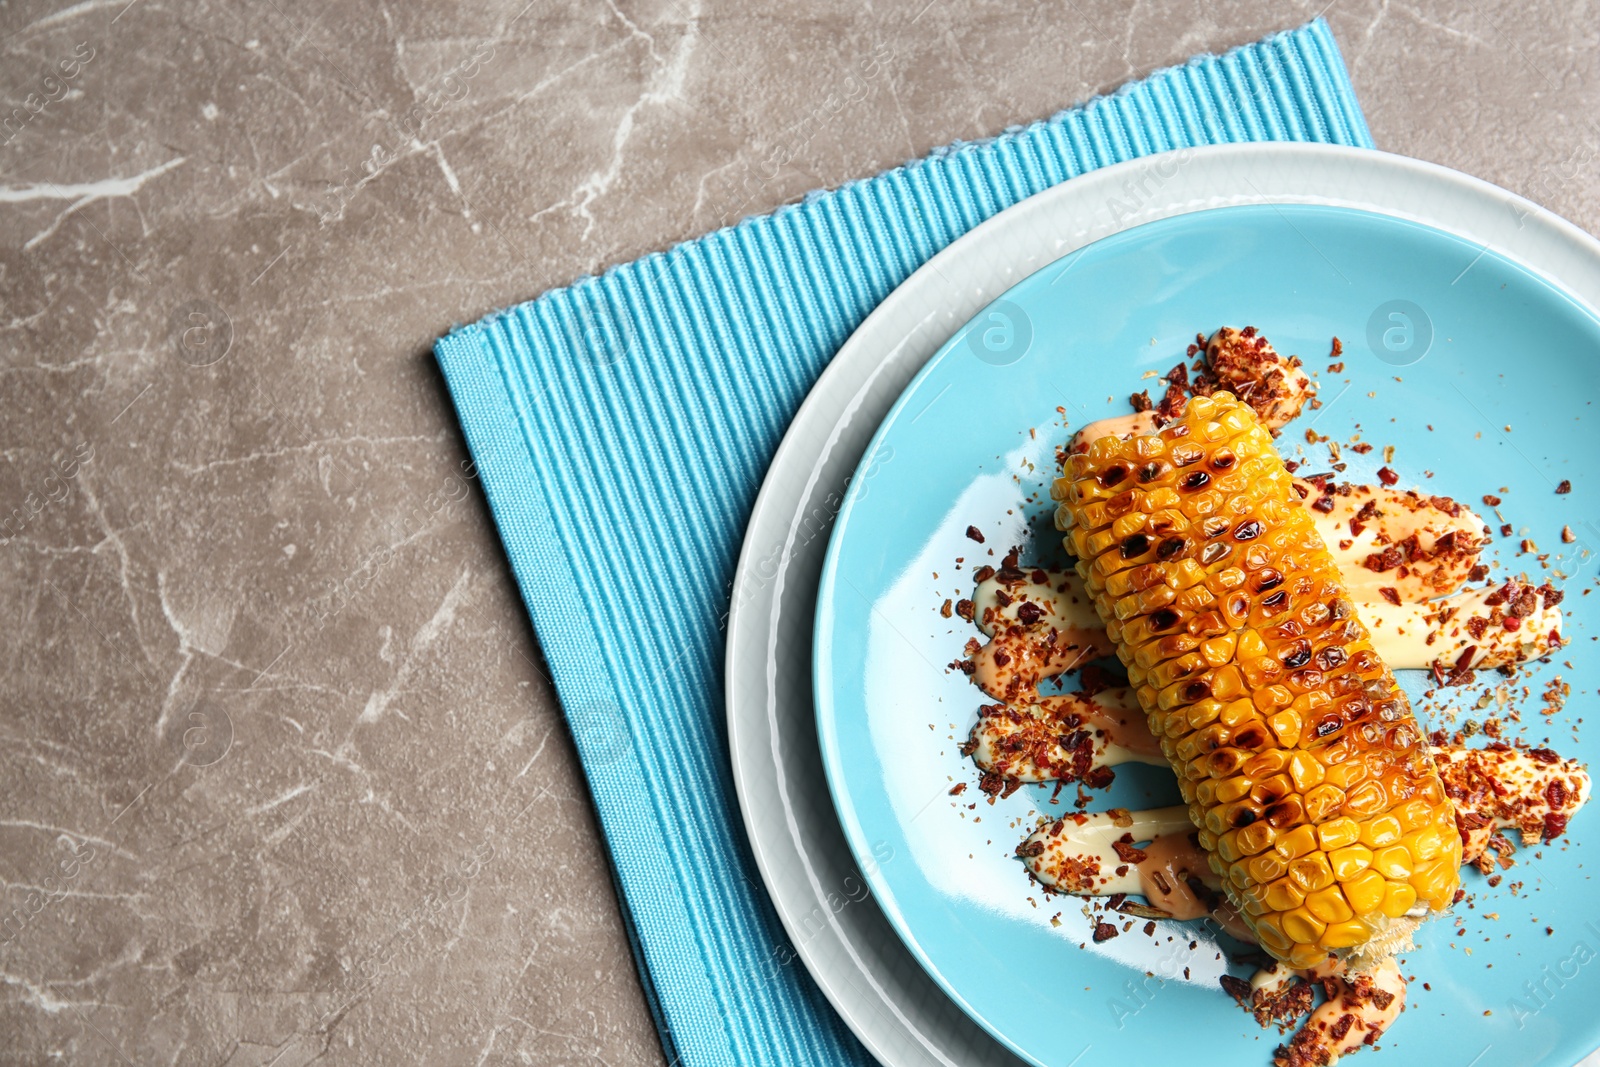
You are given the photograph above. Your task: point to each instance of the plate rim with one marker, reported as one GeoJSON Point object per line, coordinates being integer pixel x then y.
{"type": "Point", "coordinates": [1357, 169]}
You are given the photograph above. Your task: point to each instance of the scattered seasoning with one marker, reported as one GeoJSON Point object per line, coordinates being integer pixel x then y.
{"type": "Point", "coordinates": [945, 610]}
{"type": "Point", "coordinates": [1567, 536]}
{"type": "Point", "coordinates": [1387, 476]}
{"type": "Point", "coordinates": [1565, 487]}
{"type": "Point", "coordinates": [975, 533]}
{"type": "Point", "coordinates": [1491, 500]}
{"type": "Point", "coordinates": [1104, 932]}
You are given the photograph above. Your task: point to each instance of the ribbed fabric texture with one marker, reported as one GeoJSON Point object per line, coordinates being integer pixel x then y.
{"type": "Point", "coordinates": [621, 427]}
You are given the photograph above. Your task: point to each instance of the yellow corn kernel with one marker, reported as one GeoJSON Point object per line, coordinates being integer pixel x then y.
{"type": "Point", "coordinates": [1231, 789]}
{"type": "Point", "coordinates": [1350, 861]}
{"type": "Point", "coordinates": [1384, 830]}
{"type": "Point", "coordinates": [1414, 814]}
{"type": "Point", "coordinates": [1365, 892]}
{"type": "Point", "coordinates": [1306, 956]}
{"type": "Point", "coordinates": [1346, 934]}
{"type": "Point", "coordinates": [1347, 774]}
{"type": "Point", "coordinates": [1322, 801]}
{"type": "Point", "coordinates": [1329, 905]}
{"type": "Point", "coordinates": [1398, 898]}
{"type": "Point", "coordinates": [1424, 844]}
{"type": "Point", "coordinates": [1297, 842]}
{"type": "Point", "coordinates": [1338, 833]}
{"type": "Point", "coordinates": [1226, 847]}
{"type": "Point", "coordinates": [1269, 928]}
{"type": "Point", "coordinates": [1435, 882]}
{"type": "Point", "coordinates": [1393, 862]}
{"type": "Point", "coordinates": [1283, 895]}
{"type": "Point", "coordinates": [1367, 799]}
{"type": "Point", "coordinates": [1238, 712]}
{"type": "Point", "coordinates": [1255, 838]}
{"type": "Point", "coordinates": [1219, 650]}
{"type": "Point", "coordinates": [1239, 875]}
{"type": "Point", "coordinates": [1312, 872]}
{"type": "Point", "coordinates": [1302, 926]}
{"type": "Point", "coordinates": [1266, 764]}
{"type": "Point", "coordinates": [1269, 866]}
{"type": "Point", "coordinates": [1305, 770]}
{"type": "Point", "coordinates": [1286, 726]}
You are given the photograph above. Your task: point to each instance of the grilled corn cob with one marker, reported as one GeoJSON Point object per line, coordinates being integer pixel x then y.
{"type": "Point", "coordinates": [1310, 781]}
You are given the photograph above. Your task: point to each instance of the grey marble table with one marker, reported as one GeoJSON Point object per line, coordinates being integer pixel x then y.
{"type": "Point", "coordinates": [284, 778]}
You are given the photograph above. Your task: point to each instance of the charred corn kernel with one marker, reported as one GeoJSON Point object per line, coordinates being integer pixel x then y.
{"type": "Point", "coordinates": [1338, 833]}
{"type": "Point", "coordinates": [1393, 862]}
{"type": "Point", "coordinates": [1350, 861]}
{"type": "Point", "coordinates": [1297, 752]}
{"type": "Point", "coordinates": [1384, 830]}
{"type": "Point", "coordinates": [1329, 905]}
{"type": "Point", "coordinates": [1398, 898]}
{"type": "Point", "coordinates": [1365, 892]}
{"type": "Point", "coordinates": [1297, 842]}
{"type": "Point", "coordinates": [1302, 926]}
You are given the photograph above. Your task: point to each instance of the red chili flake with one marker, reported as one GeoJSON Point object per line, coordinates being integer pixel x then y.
{"type": "Point", "coordinates": [946, 609]}
{"type": "Point", "coordinates": [1323, 504]}
{"type": "Point", "coordinates": [1505, 529]}
{"type": "Point", "coordinates": [961, 787]}
{"type": "Point", "coordinates": [1104, 932]}
{"type": "Point", "coordinates": [1512, 623]}
{"type": "Point", "coordinates": [1478, 573]}
{"type": "Point", "coordinates": [1543, 755]}
{"type": "Point", "coordinates": [1476, 626]}
{"type": "Point", "coordinates": [1237, 988]}
{"type": "Point", "coordinates": [1555, 794]}
{"type": "Point", "coordinates": [1552, 596]}
{"type": "Point", "coordinates": [1387, 476]}
{"type": "Point", "coordinates": [1001, 659]}
{"type": "Point", "coordinates": [1389, 593]}
{"type": "Point", "coordinates": [966, 609]}
{"type": "Point", "coordinates": [1342, 1027]}
{"type": "Point", "coordinates": [1565, 487]}
{"type": "Point", "coordinates": [1554, 826]}
{"type": "Point", "coordinates": [975, 533]}
{"type": "Point", "coordinates": [1492, 500]}
{"type": "Point", "coordinates": [1127, 853]}
{"type": "Point", "coordinates": [1141, 400]}
{"type": "Point", "coordinates": [1029, 613]}
{"type": "Point", "coordinates": [1030, 849]}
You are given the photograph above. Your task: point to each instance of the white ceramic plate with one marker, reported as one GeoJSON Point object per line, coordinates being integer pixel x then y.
{"type": "Point", "coordinates": [815, 882]}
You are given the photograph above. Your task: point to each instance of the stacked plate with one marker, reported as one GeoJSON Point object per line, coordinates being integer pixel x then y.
{"type": "Point", "coordinates": [1470, 341]}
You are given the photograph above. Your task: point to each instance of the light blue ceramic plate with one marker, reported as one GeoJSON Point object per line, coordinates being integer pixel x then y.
{"type": "Point", "coordinates": [1479, 373]}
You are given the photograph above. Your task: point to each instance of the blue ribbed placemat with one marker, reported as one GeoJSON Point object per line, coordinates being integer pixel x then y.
{"type": "Point", "coordinates": [622, 425]}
